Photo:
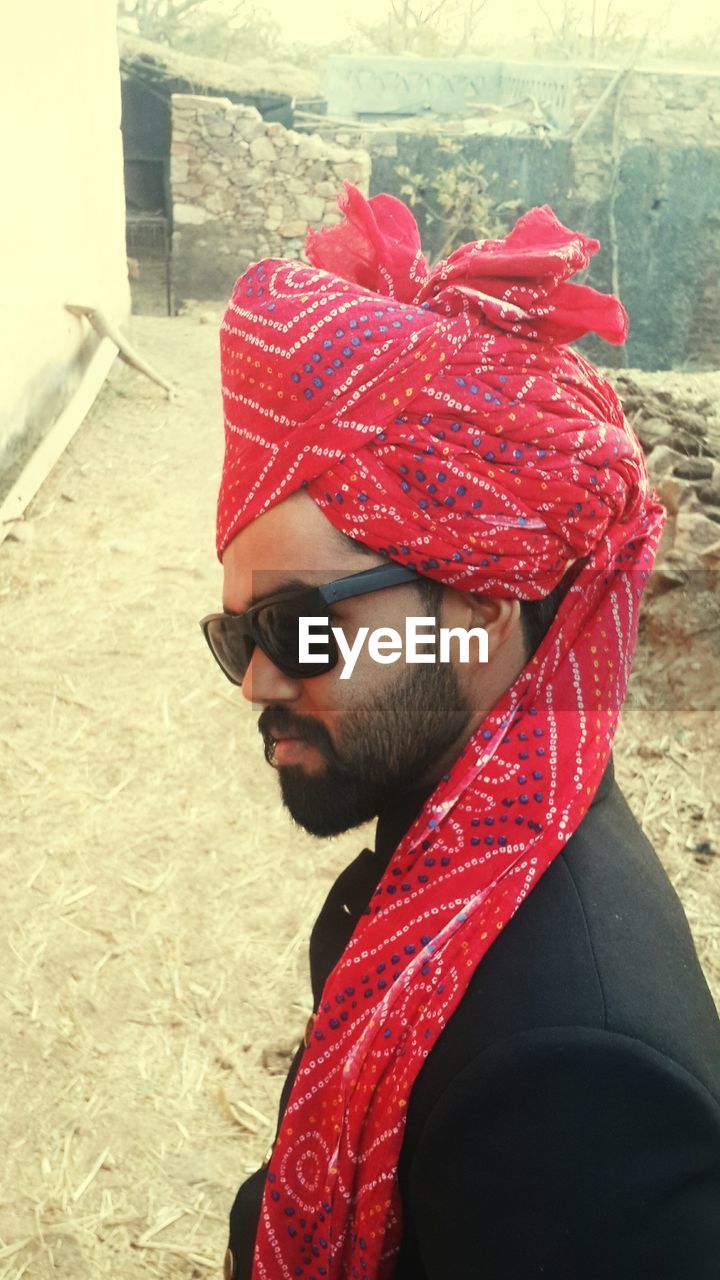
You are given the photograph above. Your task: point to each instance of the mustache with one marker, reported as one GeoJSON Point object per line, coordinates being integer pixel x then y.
{"type": "Point", "coordinates": [278, 722]}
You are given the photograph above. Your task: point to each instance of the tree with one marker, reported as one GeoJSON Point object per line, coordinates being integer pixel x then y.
{"type": "Point", "coordinates": [160, 20]}
{"type": "Point", "coordinates": [594, 31]}
{"type": "Point", "coordinates": [433, 28]}
{"type": "Point", "coordinates": [232, 33]}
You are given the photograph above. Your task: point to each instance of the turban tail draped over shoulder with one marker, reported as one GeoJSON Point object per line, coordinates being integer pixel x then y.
{"type": "Point", "coordinates": [438, 417]}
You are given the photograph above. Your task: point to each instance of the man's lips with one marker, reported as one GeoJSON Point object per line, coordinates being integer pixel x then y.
{"type": "Point", "coordinates": [287, 750]}
{"type": "Point", "coordinates": [286, 746]}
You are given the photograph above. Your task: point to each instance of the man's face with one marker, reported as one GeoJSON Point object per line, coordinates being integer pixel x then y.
{"type": "Point", "coordinates": [343, 749]}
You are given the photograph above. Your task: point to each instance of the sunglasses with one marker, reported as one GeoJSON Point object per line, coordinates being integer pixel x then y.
{"type": "Point", "coordinates": [274, 624]}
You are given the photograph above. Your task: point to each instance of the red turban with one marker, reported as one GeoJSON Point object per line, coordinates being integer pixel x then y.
{"type": "Point", "coordinates": [438, 417]}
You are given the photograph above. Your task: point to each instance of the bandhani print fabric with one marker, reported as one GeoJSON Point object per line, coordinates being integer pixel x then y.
{"type": "Point", "coordinates": [438, 417]}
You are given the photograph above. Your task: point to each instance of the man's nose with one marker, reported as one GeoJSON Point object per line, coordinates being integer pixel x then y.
{"type": "Point", "coordinates": [263, 682]}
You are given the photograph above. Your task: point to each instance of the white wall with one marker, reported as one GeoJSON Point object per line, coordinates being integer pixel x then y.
{"type": "Point", "coordinates": [62, 214]}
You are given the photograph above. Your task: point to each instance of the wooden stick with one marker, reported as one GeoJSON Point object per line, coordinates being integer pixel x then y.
{"type": "Point", "coordinates": [106, 329]}
{"type": "Point", "coordinates": [619, 75]}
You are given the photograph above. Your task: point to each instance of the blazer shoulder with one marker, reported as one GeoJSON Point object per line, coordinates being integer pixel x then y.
{"type": "Point", "coordinates": [600, 943]}
{"type": "Point", "coordinates": [651, 982]}
{"type": "Point", "coordinates": [566, 1152]}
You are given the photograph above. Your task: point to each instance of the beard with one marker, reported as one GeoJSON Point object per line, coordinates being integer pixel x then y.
{"type": "Point", "coordinates": [384, 747]}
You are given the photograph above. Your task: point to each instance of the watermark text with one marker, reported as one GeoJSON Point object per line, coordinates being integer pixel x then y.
{"type": "Point", "coordinates": [386, 645]}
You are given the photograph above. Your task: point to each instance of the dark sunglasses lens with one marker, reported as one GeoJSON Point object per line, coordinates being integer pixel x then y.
{"type": "Point", "coordinates": [277, 628]}
{"type": "Point", "coordinates": [232, 647]}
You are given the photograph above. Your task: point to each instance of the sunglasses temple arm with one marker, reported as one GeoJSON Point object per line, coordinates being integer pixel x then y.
{"type": "Point", "coordinates": [388, 576]}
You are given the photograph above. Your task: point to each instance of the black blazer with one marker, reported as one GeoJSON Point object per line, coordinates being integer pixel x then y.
{"type": "Point", "coordinates": [566, 1124]}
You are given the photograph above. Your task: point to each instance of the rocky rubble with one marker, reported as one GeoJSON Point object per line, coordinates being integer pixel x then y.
{"type": "Point", "coordinates": [680, 435]}
{"type": "Point", "coordinates": [677, 419]}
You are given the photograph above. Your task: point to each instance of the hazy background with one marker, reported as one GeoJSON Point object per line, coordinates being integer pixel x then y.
{"type": "Point", "coordinates": [592, 28]}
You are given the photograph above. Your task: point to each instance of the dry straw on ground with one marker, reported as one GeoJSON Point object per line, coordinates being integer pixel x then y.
{"type": "Point", "coordinates": [157, 900]}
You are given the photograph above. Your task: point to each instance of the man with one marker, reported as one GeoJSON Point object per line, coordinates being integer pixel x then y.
{"type": "Point", "coordinates": [513, 1069]}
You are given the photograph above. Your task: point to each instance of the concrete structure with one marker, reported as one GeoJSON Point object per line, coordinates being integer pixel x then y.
{"type": "Point", "coordinates": [62, 216]}
{"type": "Point", "coordinates": [365, 86]}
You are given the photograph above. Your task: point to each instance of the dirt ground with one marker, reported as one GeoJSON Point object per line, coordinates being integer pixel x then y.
{"type": "Point", "coordinates": [158, 901]}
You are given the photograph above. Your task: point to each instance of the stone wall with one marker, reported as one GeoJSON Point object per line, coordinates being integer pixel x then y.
{"type": "Point", "coordinates": [646, 109]}
{"type": "Point", "coordinates": [244, 189]}
{"type": "Point", "coordinates": [679, 108]}
{"type": "Point", "coordinates": [677, 419]}
{"type": "Point", "coordinates": [644, 177]}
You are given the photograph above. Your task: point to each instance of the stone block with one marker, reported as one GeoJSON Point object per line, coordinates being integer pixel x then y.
{"type": "Point", "coordinates": [312, 147]}
{"type": "Point", "coordinates": [189, 214]}
{"type": "Point", "coordinates": [214, 203]}
{"type": "Point", "coordinates": [178, 169]}
{"type": "Point", "coordinates": [662, 460]}
{"type": "Point", "coordinates": [230, 148]}
{"type": "Point", "coordinates": [693, 468]}
{"type": "Point", "coordinates": [338, 155]}
{"type": "Point", "coordinates": [310, 207]}
{"type": "Point", "coordinates": [261, 149]}
{"type": "Point", "coordinates": [187, 191]}
{"type": "Point", "coordinates": [710, 493]}
{"type": "Point", "coordinates": [248, 130]}
{"type": "Point", "coordinates": [242, 111]}
{"type": "Point", "coordinates": [694, 532]}
{"type": "Point", "coordinates": [251, 214]}
{"type": "Point", "coordinates": [295, 228]}
{"type": "Point", "coordinates": [654, 431]}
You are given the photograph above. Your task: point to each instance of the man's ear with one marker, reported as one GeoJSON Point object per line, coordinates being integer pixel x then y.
{"type": "Point", "coordinates": [499, 616]}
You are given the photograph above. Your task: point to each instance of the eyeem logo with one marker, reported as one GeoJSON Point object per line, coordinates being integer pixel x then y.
{"type": "Point", "coordinates": [385, 645]}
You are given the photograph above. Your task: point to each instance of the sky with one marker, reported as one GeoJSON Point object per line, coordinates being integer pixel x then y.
{"type": "Point", "coordinates": [328, 20]}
